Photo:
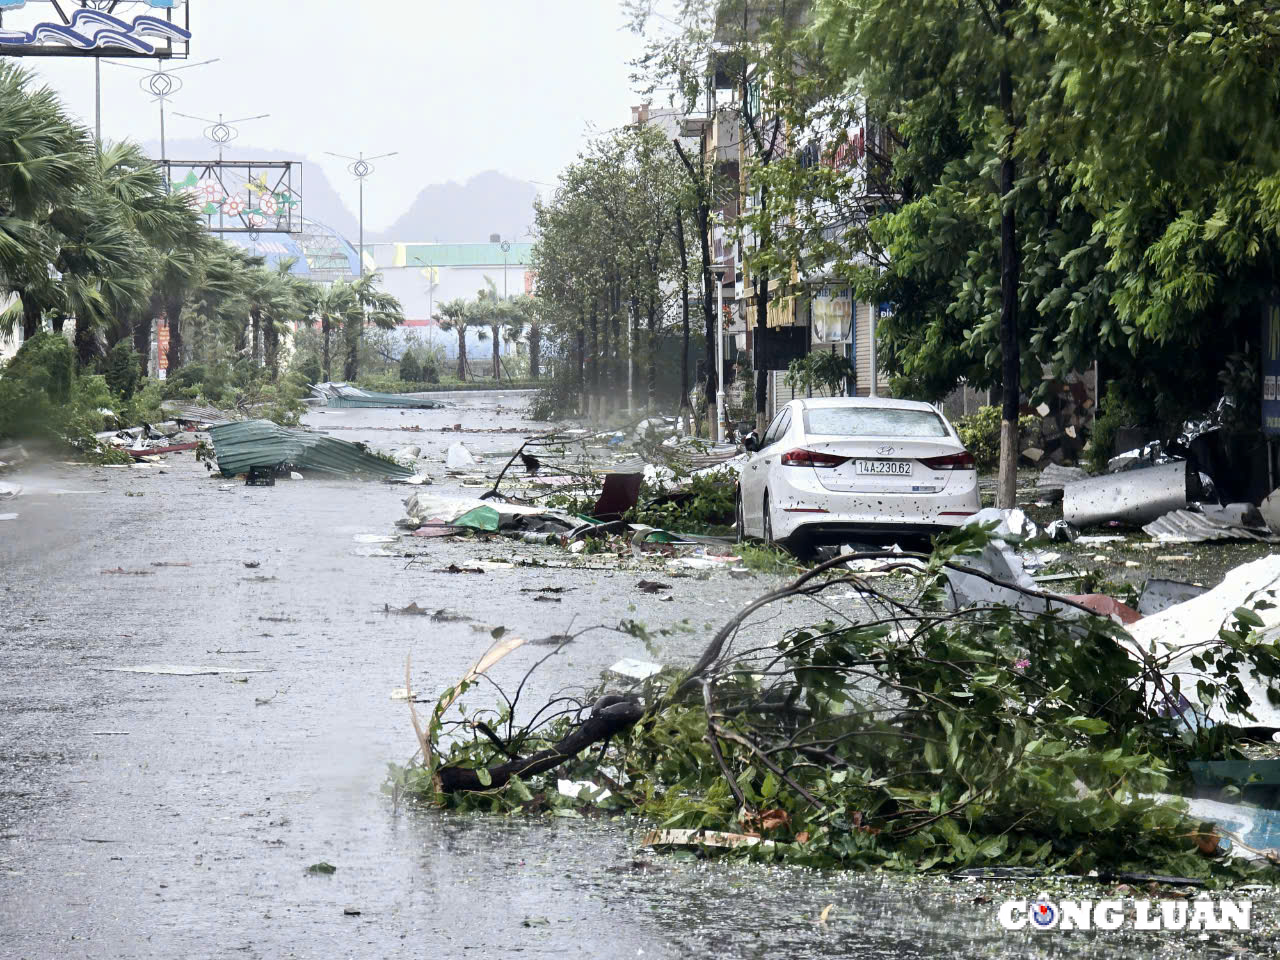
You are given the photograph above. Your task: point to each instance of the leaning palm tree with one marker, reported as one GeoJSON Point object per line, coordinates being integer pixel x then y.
{"type": "Point", "coordinates": [45, 157]}
{"type": "Point", "coordinates": [373, 307]}
{"type": "Point", "coordinates": [455, 315]}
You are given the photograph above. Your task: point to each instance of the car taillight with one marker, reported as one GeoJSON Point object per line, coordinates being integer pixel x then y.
{"type": "Point", "coordinates": [952, 461]}
{"type": "Point", "coordinates": [811, 458]}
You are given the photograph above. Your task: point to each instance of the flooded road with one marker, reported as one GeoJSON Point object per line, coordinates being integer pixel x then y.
{"type": "Point", "coordinates": [146, 815]}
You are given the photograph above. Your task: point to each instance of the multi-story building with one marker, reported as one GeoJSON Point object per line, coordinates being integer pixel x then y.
{"type": "Point", "coordinates": [811, 308]}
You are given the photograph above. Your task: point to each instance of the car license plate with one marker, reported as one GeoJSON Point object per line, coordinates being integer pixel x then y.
{"type": "Point", "coordinates": [884, 468]}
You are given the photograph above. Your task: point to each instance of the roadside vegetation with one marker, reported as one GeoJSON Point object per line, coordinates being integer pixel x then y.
{"type": "Point", "coordinates": [96, 253]}
{"type": "Point", "coordinates": [891, 732]}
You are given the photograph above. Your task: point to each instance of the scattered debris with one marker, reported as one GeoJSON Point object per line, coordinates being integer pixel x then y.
{"type": "Point", "coordinates": [621, 493]}
{"type": "Point", "coordinates": [630, 669]}
{"type": "Point", "coordinates": [322, 869]}
{"type": "Point", "coordinates": [1106, 606]}
{"type": "Point", "coordinates": [1009, 523]}
{"type": "Point", "coordinates": [121, 571]}
{"type": "Point", "coordinates": [1181, 631]}
{"type": "Point", "coordinates": [1138, 496]}
{"type": "Point", "coordinates": [583, 790]}
{"type": "Point", "coordinates": [252, 564]}
{"type": "Point", "coordinates": [1160, 594]}
{"type": "Point", "coordinates": [454, 568]}
{"type": "Point", "coordinates": [1053, 478]}
{"type": "Point", "coordinates": [652, 586]}
{"type": "Point", "coordinates": [242, 445]}
{"type": "Point", "coordinates": [1059, 531]}
{"type": "Point", "coordinates": [703, 839]}
{"type": "Point", "coordinates": [180, 670]}
{"type": "Point", "coordinates": [345, 395]}
{"type": "Point", "coordinates": [543, 598]}
{"type": "Point", "coordinates": [458, 457]}
{"type": "Point", "coordinates": [1235, 521]}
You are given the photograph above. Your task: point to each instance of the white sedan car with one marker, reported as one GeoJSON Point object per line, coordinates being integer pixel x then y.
{"type": "Point", "coordinates": [828, 470]}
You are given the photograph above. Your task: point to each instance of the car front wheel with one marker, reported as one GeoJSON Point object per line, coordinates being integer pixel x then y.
{"type": "Point", "coordinates": [768, 524]}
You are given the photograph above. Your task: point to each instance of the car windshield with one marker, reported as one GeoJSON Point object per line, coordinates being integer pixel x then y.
{"type": "Point", "coordinates": [873, 422]}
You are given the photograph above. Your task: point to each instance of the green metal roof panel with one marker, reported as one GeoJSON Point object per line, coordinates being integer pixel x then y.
{"type": "Point", "coordinates": [242, 444]}
{"type": "Point", "coordinates": [464, 255]}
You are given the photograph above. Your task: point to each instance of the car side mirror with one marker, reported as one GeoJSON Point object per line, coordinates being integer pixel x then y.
{"type": "Point", "coordinates": [751, 443]}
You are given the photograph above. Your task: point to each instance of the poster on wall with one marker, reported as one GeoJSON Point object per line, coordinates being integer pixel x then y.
{"type": "Point", "coordinates": [832, 313]}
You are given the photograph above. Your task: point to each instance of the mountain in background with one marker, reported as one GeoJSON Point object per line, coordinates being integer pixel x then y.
{"type": "Point", "coordinates": [489, 202]}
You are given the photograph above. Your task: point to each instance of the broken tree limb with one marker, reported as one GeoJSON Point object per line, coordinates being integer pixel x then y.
{"type": "Point", "coordinates": [599, 727]}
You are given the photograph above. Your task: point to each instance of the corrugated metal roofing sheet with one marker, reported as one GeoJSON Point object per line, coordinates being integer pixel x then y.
{"type": "Point", "coordinates": [242, 444]}
{"type": "Point", "coordinates": [1184, 526]}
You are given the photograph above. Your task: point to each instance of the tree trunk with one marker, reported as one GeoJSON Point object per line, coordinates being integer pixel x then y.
{"type": "Point", "coordinates": [271, 349]}
{"type": "Point", "coordinates": [762, 324]}
{"type": "Point", "coordinates": [708, 316]}
{"type": "Point", "coordinates": [143, 329]}
{"type": "Point", "coordinates": [1006, 490]}
{"type": "Point", "coordinates": [32, 315]}
{"type": "Point", "coordinates": [497, 356]}
{"type": "Point", "coordinates": [350, 369]}
{"type": "Point", "coordinates": [605, 374]}
{"type": "Point", "coordinates": [173, 316]}
{"type": "Point", "coordinates": [594, 395]}
{"type": "Point", "coordinates": [326, 358]}
{"type": "Point", "coordinates": [651, 372]}
{"type": "Point", "coordinates": [255, 340]}
{"type": "Point", "coordinates": [535, 351]}
{"type": "Point", "coordinates": [85, 344]}
{"type": "Point", "coordinates": [684, 316]}
{"type": "Point", "coordinates": [462, 353]}
{"type": "Point", "coordinates": [57, 321]}
{"type": "Point", "coordinates": [582, 364]}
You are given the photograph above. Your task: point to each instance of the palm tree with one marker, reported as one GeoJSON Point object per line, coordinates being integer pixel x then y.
{"type": "Point", "coordinates": [522, 319]}
{"type": "Point", "coordinates": [44, 158]}
{"type": "Point", "coordinates": [455, 315]}
{"type": "Point", "coordinates": [373, 306]}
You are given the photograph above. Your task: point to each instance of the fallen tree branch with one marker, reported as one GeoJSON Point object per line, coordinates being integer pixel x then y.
{"type": "Point", "coordinates": [602, 725]}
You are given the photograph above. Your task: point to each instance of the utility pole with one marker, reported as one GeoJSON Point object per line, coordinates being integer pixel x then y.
{"type": "Point", "coordinates": [97, 101]}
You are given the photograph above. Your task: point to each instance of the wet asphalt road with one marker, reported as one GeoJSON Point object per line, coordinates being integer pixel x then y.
{"type": "Point", "coordinates": [175, 816]}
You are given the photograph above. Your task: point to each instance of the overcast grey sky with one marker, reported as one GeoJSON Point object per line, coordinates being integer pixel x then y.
{"type": "Point", "coordinates": [456, 86]}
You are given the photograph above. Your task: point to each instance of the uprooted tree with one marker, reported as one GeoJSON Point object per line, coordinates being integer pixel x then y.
{"type": "Point", "coordinates": [897, 730]}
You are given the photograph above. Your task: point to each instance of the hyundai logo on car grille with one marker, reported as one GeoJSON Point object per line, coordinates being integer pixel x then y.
{"type": "Point", "coordinates": [885, 451]}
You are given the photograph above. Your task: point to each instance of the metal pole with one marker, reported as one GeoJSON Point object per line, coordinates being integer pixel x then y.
{"type": "Point", "coordinates": [720, 355]}
{"type": "Point", "coordinates": [871, 355]}
{"type": "Point", "coordinates": [162, 153]}
{"type": "Point", "coordinates": [362, 226]}
{"type": "Point", "coordinates": [97, 99]}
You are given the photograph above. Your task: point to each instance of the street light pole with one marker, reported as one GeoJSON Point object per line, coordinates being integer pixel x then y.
{"type": "Point", "coordinates": [361, 167]}
{"type": "Point", "coordinates": [161, 84]}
